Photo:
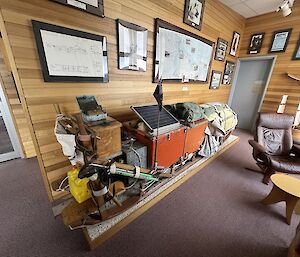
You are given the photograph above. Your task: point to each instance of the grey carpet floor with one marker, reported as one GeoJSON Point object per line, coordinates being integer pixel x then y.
{"type": "Point", "coordinates": [215, 214]}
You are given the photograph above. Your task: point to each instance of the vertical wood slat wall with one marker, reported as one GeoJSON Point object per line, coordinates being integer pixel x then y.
{"type": "Point", "coordinates": [125, 88]}
{"type": "Point", "coordinates": [15, 105]}
{"type": "Point", "coordinates": [280, 84]}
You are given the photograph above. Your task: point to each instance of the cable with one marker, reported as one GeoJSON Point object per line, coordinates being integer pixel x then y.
{"type": "Point", "coordinates": [59, 189]}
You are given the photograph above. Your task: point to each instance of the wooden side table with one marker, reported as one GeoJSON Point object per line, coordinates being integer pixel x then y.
{"type": "Point", "coordinates": [285, 188]}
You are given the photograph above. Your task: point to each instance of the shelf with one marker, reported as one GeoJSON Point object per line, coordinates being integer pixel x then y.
{"type": "Point", "coordinates": [293, 76]}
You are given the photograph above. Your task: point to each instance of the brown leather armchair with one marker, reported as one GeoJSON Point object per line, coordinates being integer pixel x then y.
{"type": "Point", "coordinates": [273, 147]}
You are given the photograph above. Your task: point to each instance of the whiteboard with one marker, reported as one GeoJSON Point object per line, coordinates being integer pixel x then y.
{"type": "Point", "coordinates": [72, 56]}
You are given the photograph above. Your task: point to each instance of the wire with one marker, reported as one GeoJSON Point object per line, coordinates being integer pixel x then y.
{"type": "Point", "coordinates": [59, 189]}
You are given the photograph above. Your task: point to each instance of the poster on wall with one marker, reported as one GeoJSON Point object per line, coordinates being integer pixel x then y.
{"type": "Point", "coordinates": [235, 43]}
{"type": "Point", "coordinates": [193, 13]}
{"type": "Point", "coordinates": [70, 55]}
{"type": "Point", "coordinates": [280, 40]}
{"type": "Point", "coordinates": [181, 55]}
{"type": "Point", "coordinates": [221, 50]}
{"type": "Point", "coordinates": [256, 42]}
{"type": "Point", "coordinates": [95, 7]}
{"type": "Point", "coordinates": [215, 81]}
{"type": "Point", "coordinates": [132, 46]}
{"type": "Point", "coordinates": [228, 73]}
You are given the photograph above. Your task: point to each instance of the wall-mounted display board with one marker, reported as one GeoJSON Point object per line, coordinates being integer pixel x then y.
{"type": "Point", "coordinates": [228, 72]}
{"type": "Point", "coordinates": [181, 55]}
{"type": "Point", "coordinates": [95, 7]}
{"type": "Point", "coordinates": [69, 55]}
{"type": "Point", "coordinates": [280, 40]}
{"type": "Point", "coordinates": [193, 13]}
{"type": "Point", "coordinates": [132, 46]}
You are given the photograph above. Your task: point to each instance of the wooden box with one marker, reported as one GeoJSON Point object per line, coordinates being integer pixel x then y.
{"type": "Point", "coordinates": [108, 139]}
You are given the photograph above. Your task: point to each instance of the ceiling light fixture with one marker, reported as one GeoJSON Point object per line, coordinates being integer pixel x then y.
{"type": "Point", "coordinates": [285, 8]}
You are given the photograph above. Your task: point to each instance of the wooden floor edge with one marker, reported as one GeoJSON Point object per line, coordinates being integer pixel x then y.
{"type": "Point", "coordinates": [109, 233]}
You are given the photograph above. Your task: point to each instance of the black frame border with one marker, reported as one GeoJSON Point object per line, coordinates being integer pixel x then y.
{"type": "Point", "coordinates": [212, 73]}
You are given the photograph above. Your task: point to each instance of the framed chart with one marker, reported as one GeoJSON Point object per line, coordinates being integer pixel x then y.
{"type": "Point", "coordinates": [280, 40]}
{"type": "Point", "coordinates": [132, 46]}
{"type": "Point", "coordinates": [95, 7]}
{"type": "Point", "coordinates": [181, 56]}
{"type": "Point", "coordinates": [69, 55]}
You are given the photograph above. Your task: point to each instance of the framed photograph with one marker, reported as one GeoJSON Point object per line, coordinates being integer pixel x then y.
{"type": "Point", "coordinates": [215, 80]}
{"type": "Point", "coordinates": [193, 13]}
{"type": "Point", "coordinates": [95, 7]}
{"type": "Point", "coordinates": [256, 42]}
{"type": "Point", "coordinates": [296, 55]}
{"type": "Point", "coordinates": [69, 55]}
{"type": "Point", "coordinates": [221, 49]}
{"type": "Point", "coordinates": [132, 46]}
{"type": "Point", "coordinates": [280, 40]}
{"type": "Point", "coordinates": [228, 73]}
{"type": "Point", "coordinates": [181, 56]}
{"type": "Point", "coordinates": [235, 43]}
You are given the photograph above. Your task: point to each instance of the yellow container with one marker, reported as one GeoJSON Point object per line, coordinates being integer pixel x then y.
{"type": "Point", "coordinates": [78, 187]}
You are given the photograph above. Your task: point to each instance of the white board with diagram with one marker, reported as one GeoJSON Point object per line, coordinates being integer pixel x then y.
{"type": "Point", "coordinates": [70, 55]}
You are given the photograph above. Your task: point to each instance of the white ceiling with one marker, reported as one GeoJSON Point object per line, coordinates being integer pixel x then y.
{"type": "Point", "coordinates": [251, 8]}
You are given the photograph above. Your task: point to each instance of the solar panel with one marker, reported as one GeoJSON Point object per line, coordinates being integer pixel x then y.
{"type": "Point", "coordinates": [149, 115]}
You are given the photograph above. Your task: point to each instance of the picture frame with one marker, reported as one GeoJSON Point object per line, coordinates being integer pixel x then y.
{"type": "Point", "coordinates": [193, 13]}
{"type": "Point", "coordinates": [95, 7]}
{"type": "Point", "coordinates": [228, 73]}
{"type": "Point", "coordinates": [296, 55]}
{"type": "Point", "coordinates": [132, 46]}
{"type": "Point", "coordinates": [181, 56]}
{"type": "Point", "coordinates": [215, 81]}
{"type": "Point", "coordinates": [221, 49]}
{"type": "Point", "coordinates": [280, 40]}
{"type": "Point", "coordinates": [68, 55]}
{"type": "Point", "coordinates": [256, 42]}
{"type": "Point", "coordinates": [235, 43]}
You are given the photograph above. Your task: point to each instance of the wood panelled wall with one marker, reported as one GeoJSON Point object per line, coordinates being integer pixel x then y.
{"type": "Point", "coordinates": [280, 84]}
{"type": "Point", "coordinates": [125, 88]}
{"type": "Point", "coordinates": [15, 106]}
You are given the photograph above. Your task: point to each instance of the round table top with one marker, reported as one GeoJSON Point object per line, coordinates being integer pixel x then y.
{"type": "Point", "coordinates": [287, 183]}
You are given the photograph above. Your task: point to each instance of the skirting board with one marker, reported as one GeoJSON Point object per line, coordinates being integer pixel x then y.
{"type": "Point", "coordinates": [97, 234]}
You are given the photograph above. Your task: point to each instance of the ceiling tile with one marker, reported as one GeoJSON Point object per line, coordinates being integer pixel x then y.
{"type": "Point", "coordinates": [244, 10]}
{"type": "Point", "coordinates": [262, 7]}
{"type": "Point", "coordinates": [231, 2]}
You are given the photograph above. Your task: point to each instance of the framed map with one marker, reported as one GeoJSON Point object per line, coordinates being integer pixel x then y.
{"type": "Point", "coordinates": [70, 55]}
{"type": "Point", "coordinates": [95, 7]}
{"type": "Point", "coordinates": [181, 56]}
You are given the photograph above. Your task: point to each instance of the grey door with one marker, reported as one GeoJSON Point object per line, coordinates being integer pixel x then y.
{"type": "Point", "coordinates": [249, 89]}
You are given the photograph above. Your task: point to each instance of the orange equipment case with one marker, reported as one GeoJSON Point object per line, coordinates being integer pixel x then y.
{"type": "Point", "coordinates": [170, 145]}
{"type": "Point", "coordinates": [194, 136]}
